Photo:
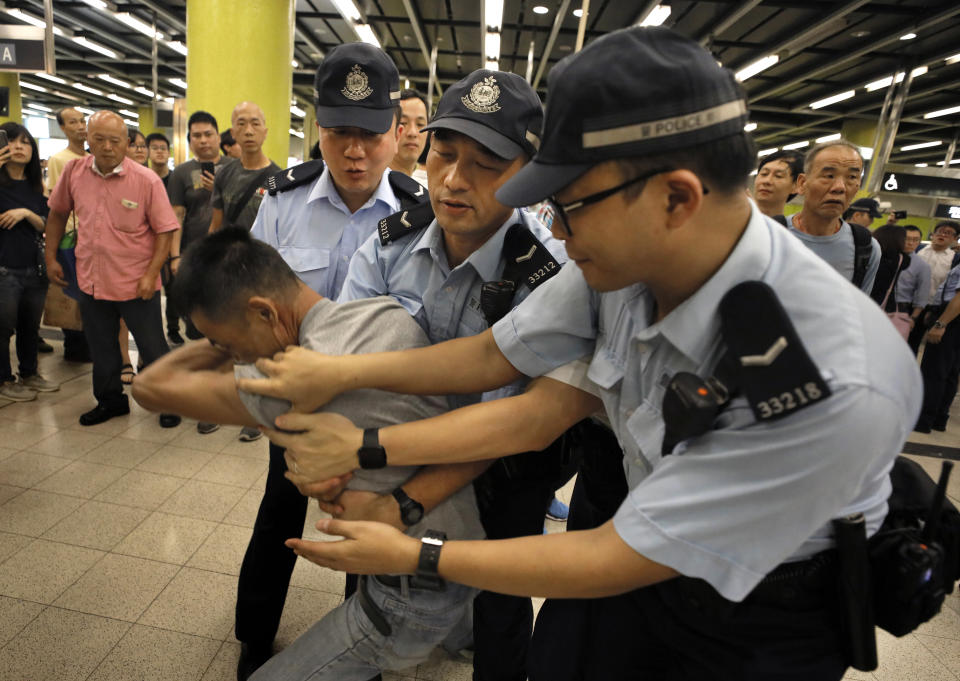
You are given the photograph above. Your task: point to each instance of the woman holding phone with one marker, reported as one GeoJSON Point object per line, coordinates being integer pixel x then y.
{"type": "Point", "coordinates": [23, 284]}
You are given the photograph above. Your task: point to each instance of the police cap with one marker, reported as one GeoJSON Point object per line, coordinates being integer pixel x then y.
{"type": "Point", "coordinates": [634, 92]}
{"type": "Point", "coordinates": [870, 206]}
{"type": "Point", "coordinates": [497, 109]}
{"type": "Point", "coordinates": [357, 85]}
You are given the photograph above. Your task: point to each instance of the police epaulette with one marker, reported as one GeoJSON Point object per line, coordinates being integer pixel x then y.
{"type": "Point", "coordinates": [408, 190]}
{"type": "Point", "coordinates": [526, 259]}
{"type": "Point", "coordinates": [294, 177]}
{"type": "Point", "coordinates": [404, 222]}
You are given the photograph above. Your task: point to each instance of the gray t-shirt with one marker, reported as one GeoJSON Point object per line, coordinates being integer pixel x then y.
{"type": "Point", "coordinates": [839, 250]}
{"type": "Point", "coordinates": [360, 327]}
{"type": "Point", "coordinates": [185, 189]}
{"type": "Point", "coordinates": [230, 187]}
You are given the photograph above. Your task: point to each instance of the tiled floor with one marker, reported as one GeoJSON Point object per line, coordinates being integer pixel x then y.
{"type": "Point", "coordinates": [120, 545]}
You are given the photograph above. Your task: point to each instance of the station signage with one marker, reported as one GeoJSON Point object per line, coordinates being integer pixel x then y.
{"type": "Point", "coordinates": [947, 210]}
{"type": "Point", "coordinates": [22, 49]}
{"type": "Point", "coordinates": [924, 185]}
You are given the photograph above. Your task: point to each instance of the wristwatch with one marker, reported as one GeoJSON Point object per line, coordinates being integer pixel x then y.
{"type": "Point", "coordinates": [939, 325]}
{"type": "Point", "coordinates": [371, 454]}
{"type": "Point", "coordinates": [428, 575]}
{"type": "Point", "coordinates": [411, 511]}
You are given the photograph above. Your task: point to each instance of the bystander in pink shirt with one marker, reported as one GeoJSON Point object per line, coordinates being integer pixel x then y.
{"type": "Point", "coordinates": [118, 217]}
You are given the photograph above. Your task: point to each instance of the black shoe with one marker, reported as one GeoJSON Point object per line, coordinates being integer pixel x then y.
{"type": "Point", "coordinates": [175, 338]}
{"type": "Point", "coordinates": [169, 420]}
{"type": "Point", "coordinates": [252, 657]}
{"type": "Point", "coordinates": [940, 427]}
{"type": "Point", "coordinates": [103, 412]}
{"type": "Point", "coordinates": [43, 346]}
{"type": "Point", "coordinates": [921, 428]}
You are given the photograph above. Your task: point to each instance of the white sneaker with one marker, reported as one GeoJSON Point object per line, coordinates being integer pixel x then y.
{"type": "Point", "coordinates": [40, 384]}
{"type": "Point", "coordinates": [16, 392]}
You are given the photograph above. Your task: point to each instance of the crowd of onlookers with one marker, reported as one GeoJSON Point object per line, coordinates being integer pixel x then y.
{"type": "Point", "coordinates": [914, 282]}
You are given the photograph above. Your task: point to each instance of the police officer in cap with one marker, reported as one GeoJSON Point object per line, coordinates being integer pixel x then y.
{"type": "Point", "coordinates": [724, 547]}
{"type": "Point", "coordinates": [316, 215]}
{"type": "Point", "coordinates": [458, 265]}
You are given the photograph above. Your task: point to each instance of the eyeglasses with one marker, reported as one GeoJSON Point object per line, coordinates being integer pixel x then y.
{"type": "Point", "coordinates": [561, 210]}
{"type": "Point", "coordinates": [139, 147]}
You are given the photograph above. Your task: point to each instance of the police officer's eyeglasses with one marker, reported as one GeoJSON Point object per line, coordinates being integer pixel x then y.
{"type": "Point", "coordinates": [561, 210]}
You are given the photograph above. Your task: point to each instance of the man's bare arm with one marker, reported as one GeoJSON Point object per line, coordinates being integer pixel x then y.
{"type": "Point", "coordinates": [527, 422]}
{"type": "Point", "coordinates": [580, 564]}
{"type": "Point", "coordinates": [310, 380]}
{"type": "Point", "coordinates": [195, 381]}
{"type": "Point", "coordinates": [216, 221]}
{"type": "Point", "coordinates": [54, 230]}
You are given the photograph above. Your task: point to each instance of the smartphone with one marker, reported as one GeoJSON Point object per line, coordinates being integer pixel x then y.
{"type": "Point", "coordinates": [3, 139]}
{"type": "Point", "coordinates": [900, 214]}
{"type": "Point", "coordinates": [207, 167]}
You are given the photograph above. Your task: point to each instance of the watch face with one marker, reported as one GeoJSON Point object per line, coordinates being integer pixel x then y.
{"type": "Point", "coordinates": [414, 515]}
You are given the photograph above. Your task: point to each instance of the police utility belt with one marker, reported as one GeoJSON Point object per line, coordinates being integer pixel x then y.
{"type": "Point", "coordinates": [898, 579]}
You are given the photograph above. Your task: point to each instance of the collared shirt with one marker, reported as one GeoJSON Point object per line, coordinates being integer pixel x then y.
{"type": "Point", "coordinates": [940, 263]}
{"type": "Point", "coordinates": [55, 166]}
{"type": "Point", "coordinates": [445, 301]}
{"type": "Point", "coordinates": [730, 505]}
{"type": "Point", "coordinates": [316, 233]}
{"type": "Point", "coordinates": [913, 286]}
{"type": "Point", "coordinates": [948, 289]}
{"type": "Point", "coordinates": [118, 217]}
{"type": "Point", "coordinates": [839, 250]}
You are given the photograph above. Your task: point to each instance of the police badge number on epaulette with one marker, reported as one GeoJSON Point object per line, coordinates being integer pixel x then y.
{"type": "Point", "coordinates": [403, 222]}
{"type": "Point", "coordinates": [294, 177]}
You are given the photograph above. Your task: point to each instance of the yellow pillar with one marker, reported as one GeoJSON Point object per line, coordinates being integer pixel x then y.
{"type": "Point", "coordinates": [861, 133]}
{"type": "Point", "coordinates": [11, 81]}
{"type": "Point", "coordinates": [147, 124]}
{"type": "Point", "coordinates": [242, 51]}
{"type": "Point", "coordinates": [310, 132]}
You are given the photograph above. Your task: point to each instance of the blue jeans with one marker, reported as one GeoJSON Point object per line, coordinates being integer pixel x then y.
{"type": "Point", "coordinates": [346, 646]}
{"type": "Point", "coordinates": [22, 294]}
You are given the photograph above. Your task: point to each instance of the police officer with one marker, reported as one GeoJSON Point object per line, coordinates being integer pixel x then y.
{"type": "Point", "coordinates": [458, 265]}
{"type": "Point", "coordinates": [316, 215]}
{"type": "Point", "coordinates": [723, 545]}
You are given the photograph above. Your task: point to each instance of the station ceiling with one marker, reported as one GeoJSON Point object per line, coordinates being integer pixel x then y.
{"type": "Point", "coordinates": [822, 50]}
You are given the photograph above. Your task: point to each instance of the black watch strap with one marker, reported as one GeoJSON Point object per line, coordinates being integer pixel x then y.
{"type": "Point", "coordinates": [411, 510]}
{"type": "Point", "coordinates": [428, 573]}
{"type": "Point", "coordinates": [371, 454]}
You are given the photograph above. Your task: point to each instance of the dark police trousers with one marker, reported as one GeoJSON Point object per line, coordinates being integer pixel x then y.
{"type": "Point", "coordinates": [268, 564]}
{"type": "Point", "coordinates": [940, 368]}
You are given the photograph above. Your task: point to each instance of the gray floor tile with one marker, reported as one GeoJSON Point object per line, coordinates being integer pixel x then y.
{"type": "Point", "coordinates": [33, 512]}
{"type": "Point", "coordinates": [11, 543]}
{"type": "Point", "coordinates": [149, 430]}
{"type": "Point", "coordinates": [19, 434]}
{"type": "Point", "coordinates": [121, 452]}
{"type": "Point", "coordinates": [43, 570]}
{"type": "Point", "coordinates": [195, 602]}
{"type": "Point", "coordinates": [26, 469]}
{"type": "Point", "coordinates": [121, 587]}
{"type": "Point", "coordinates": [245, 512]}
{"type": "Point", "coordinates": [224, 665]}
{"type": "Point", "coordinates": [149, 654]}
{"type": "Point", "coordinates": [177, 461]}
{"type": "Point", "coordinates": [166, 538]}
{"type": "Point", "coordinates": [15, 614]}
{"type": "Point", "coordinates": [141, 489]}
{"type": "Point", "coordinates": [97, 525]}
{"type": "Point", "coordinates": [59, 645]}
{"type": "Point", "coordinates": [203, 500]}
{"type": "Point", "coordinates": [222, 551]}
{"type": "Point", "coordinates": [232, 470]}
{"type": "Point", "coordinates": [81, 479]}
{"type": "Point", "coordinates": [68, 444]}
{"type": "Point", "coordinates": [211, 442]}
{"type": "Point", "coordinates": [8, 492]}
{"type": "Point", "coordinates": [907, 658]}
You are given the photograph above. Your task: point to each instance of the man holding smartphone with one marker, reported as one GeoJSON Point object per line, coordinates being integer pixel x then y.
{"type": "Point", "coordinates": [190, 187]}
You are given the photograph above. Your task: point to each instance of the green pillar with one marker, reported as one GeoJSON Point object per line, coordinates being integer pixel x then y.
{"type": "Point", "coordinates": [241, 51]}
{"type": "Point", "coordinates": [310, 131]}
{"type": "Point", "coordinates": [147, 124]}
{"type": "Point", "coordinates": [863, 134]}
{"type": "Point", "coordinates": [11, 81]}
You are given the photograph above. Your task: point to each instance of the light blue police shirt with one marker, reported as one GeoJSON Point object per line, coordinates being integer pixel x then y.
{"type": "Point", "coordinates": [315, 232]}
{"type": "Point", "coordinates": [732, 504]}
{"type": "Point", "coordinates": [839, 250]}
{"type": "Point", "coordinates": [948, 289]}
{"type": "Point", "coordinates": [913, 285]}
{"type": "Point", "coordinates": [445, 302]}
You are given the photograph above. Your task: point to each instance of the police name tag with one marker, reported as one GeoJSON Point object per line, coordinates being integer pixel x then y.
{"type": "Point", "coordinates": [766, 354]}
